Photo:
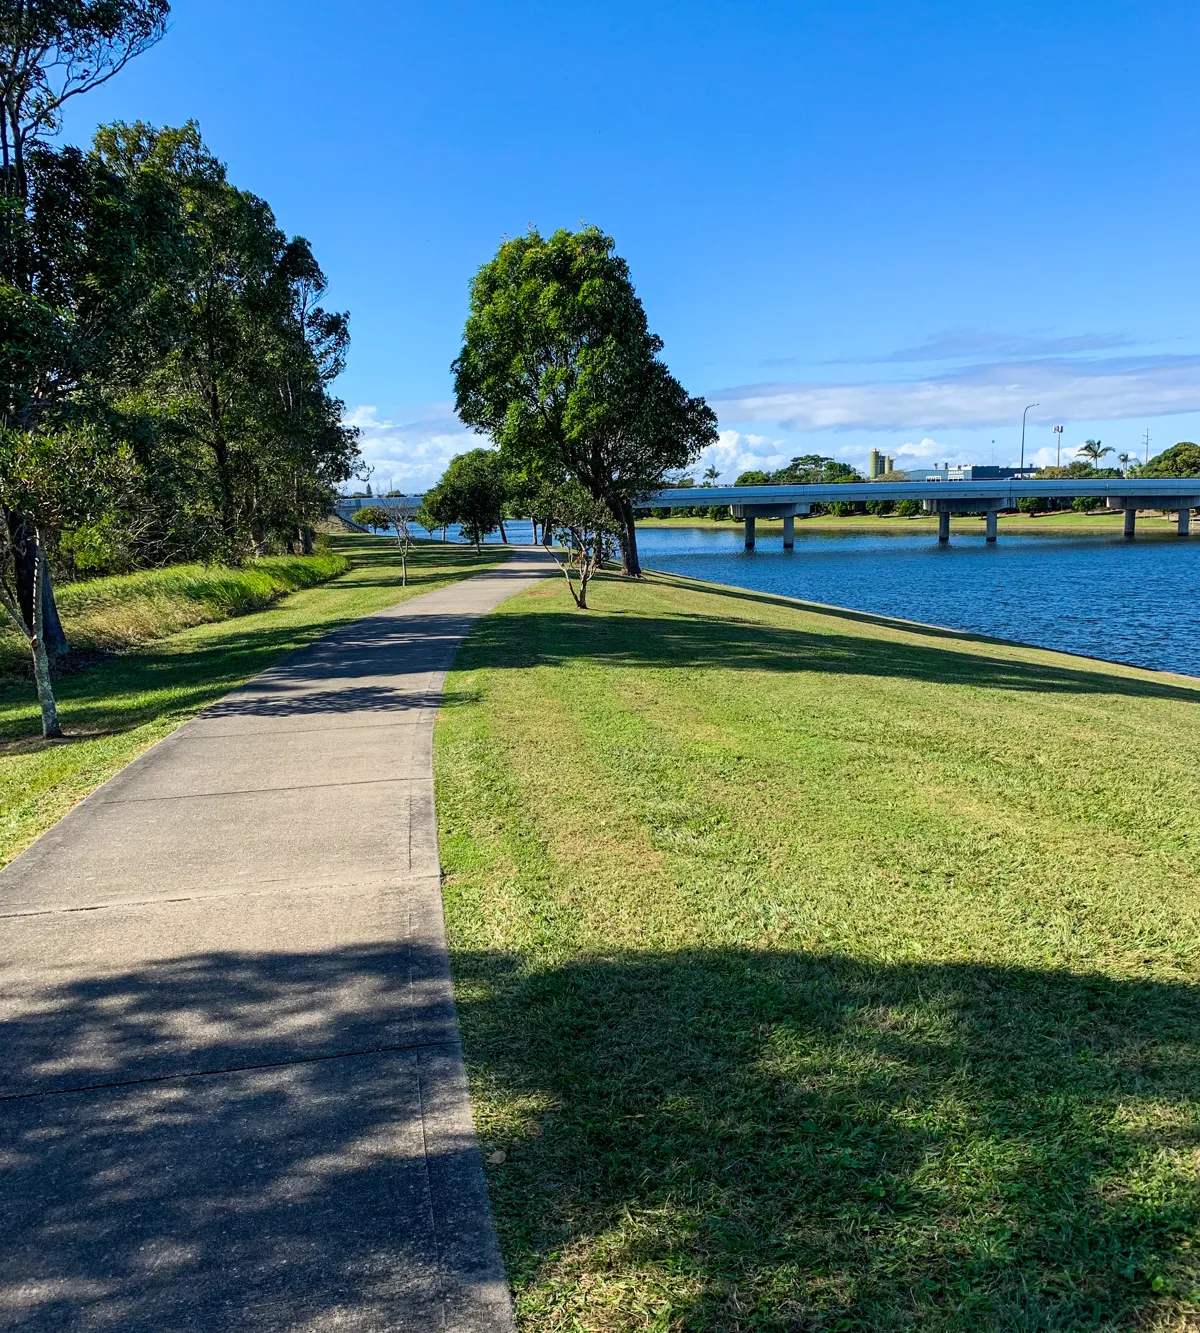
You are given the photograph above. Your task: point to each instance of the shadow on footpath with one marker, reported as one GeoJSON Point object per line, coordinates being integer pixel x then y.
{"type": "Point", "coordinates": [802, 1141]}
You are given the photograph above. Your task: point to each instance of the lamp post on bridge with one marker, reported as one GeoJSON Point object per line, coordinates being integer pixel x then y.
{"type": "Point", "coordinates": [1021, 469]}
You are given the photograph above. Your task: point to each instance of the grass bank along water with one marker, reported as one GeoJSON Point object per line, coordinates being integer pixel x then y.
{"type": "Point", "coordinates": [115, 709]}
{"type": "Point", "coordinates": [821, 972]}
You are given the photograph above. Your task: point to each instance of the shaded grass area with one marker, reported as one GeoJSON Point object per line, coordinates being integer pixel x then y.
{"type": "Point", "coordinates": [106, 615]}
{"type": "Point", "coordinates": [115, 709]}
{"type": "Point", "coordinates": [817, 972]}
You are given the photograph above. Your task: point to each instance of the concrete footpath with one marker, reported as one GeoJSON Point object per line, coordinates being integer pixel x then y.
{"type": "Point", "coordinates": [233, 1094]}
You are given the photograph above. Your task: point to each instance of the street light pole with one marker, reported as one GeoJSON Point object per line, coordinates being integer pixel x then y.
{"type": "Point", "coordinates": [1058, 440]}
{"type": "Point", "coordinates": [1024, 414]}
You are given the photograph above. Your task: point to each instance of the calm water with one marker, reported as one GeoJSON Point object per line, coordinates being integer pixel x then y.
{"type": "Point", "coordinates": [1133, 602]}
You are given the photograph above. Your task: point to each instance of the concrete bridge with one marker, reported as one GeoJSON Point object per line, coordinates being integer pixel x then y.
{"type": "Point", "coordinates": [990, 498]}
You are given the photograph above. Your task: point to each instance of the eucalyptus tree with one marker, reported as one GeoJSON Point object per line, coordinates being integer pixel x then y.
{"type": "Point", "coordinates": [50, 52]}
{"type": "Point", "coordinates": [54, 50]}
{"type": "Point", "coordinates": [560, 369]}
{"type": "Point", "coordinates": [242, 388]}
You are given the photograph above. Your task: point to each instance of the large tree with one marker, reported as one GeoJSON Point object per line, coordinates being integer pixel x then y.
{"type": "Point", "coordinates": [50, 51]}
{"type": "Point", "coordinates": [89, 252]}
{"type": "Point", "coordinates": [560, 369]}
{"type": "Point", "coordinates": [240, 399]}
{"type": "Point", "coordinates": [472, 492]}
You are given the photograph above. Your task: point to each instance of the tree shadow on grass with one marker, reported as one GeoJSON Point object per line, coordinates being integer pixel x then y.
{"type": "Point", "coordinates": [754, 1139]}
{"type": "Point", "coordinates": [775, 1140]}
{"type": "Point", "coordinates": [629, 638]}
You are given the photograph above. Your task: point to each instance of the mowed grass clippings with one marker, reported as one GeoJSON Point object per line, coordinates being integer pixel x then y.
{"type": "Point", "coordinates": [113, 710]}
{"type": "Point", "coordinates": [821, 973]}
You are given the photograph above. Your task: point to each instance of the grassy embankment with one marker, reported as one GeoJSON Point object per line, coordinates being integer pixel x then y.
{"type": "Point", "coordinates": [121, 703]}
{"type": "Point", "coordinates": [821, 973]}
{"type": "Point", "coordinates": [1065, 522]}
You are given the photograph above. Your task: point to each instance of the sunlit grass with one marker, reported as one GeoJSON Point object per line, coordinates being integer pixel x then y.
{"type": "Point", "coordinates": [817, 972]}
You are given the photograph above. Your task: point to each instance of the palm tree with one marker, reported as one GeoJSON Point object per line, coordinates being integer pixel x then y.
{"type": "Point", "coordinates": [1091, 449]}
{"type": "Point", "coordinates": [711, 476]}
{"type": "Point", "coordinates": [1124, 460]}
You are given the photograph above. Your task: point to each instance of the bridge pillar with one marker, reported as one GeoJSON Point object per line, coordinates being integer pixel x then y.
{"type": "Point", "coordinates": [943, 525]}
{"type": "Point", "coordinates": [789, 532]}
{"type": "Point", "coordinates": [749, 521]}
{"type": "Point", "coordinates": [1130, 521]}
{"type": "Point", "coordinates": [992, 515]}
{"type": "Point", "coordinates": [1185, 521]}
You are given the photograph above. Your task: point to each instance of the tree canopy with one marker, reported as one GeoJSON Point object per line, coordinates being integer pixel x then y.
{"type": "Point", "coordinates": [559, 368]}
{"type": "Point", "coordinates": [473, 492]}
{"type": "Point", "coordinates": [1180, 460]}
{"type": "Point", "coordinates": [165, 361]}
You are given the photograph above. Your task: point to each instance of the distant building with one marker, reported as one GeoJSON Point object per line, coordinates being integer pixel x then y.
{"type": "Point", "coordinates": [879, 464]}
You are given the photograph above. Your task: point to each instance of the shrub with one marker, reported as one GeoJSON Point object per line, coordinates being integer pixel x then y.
{"type": "Point", "coordinates": [879, 507]}
{"type": "Point", "coordinates": [843, 508]}
{"type": "Point", "coordinates": [908, 508]}
{"type": "Point", "coordinates": [1032, 504]}
{"type": "Point", "coordinates": [1084, 504]}
{"type": "Point", "coordinates": [719, 512]}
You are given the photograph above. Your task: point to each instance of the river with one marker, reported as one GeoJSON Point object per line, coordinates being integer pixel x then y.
{"type": "Point", "coordinates": [1132, 602]}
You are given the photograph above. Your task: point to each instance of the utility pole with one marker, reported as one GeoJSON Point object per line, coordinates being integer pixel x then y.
{"type": "Point", "coordinates": [1058, 439]}
{"type": "Point", "coordinates": [1147, 442]}
{"type": "Point", "coordinates": [1024, 414]}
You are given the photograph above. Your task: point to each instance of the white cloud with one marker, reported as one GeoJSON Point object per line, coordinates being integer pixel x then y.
{"type": "Point", "coordinates": [413, 454]}
{"type": "Point", "coordinates": [985, 395]}
{"type": "Point", "coordinates": [925, 448]}
{"type": "Point", "coordinates": [735, 452]}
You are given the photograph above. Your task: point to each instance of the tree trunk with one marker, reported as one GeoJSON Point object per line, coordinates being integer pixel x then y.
{"type": "Point", "coordinates": [547, 534]}
{"type": "Point", "coordinates": [41, 663]}
{"type": "Point", "coordinates": [622, 510]}
{"type": "Point", "coordinates": [503, 534]}
{"type": "Point", "coordinates": [306, 539]}
{"type": "Point", "coordinates": [23, 537]}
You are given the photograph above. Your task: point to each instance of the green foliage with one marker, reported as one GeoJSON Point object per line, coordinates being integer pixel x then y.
{"type": "Point", "coordinates": [1033, 504]}
{"type": "Point", "coordinates": [1180, 460]}
{"type": "Point", "coordinates": [753, 478]}
{"type": "Point", "coordinates": [375, 517]}
{"type": "Point", "coordinates": [843, 508]}
{"type": "Point", "coordinates": [472, 492]}
{"type": "Point", "coordinates": [812, 470]}
{"type": "Point", "coordinates": [879, 507]}
{"type": "Point", "coordinates": [908, 508]}
{"type": "Point", "coordinates": [1093, 451]}
{"type": "Point", "coordinates": [1084, 504]}
{"type": "Point", "coordinates": [560, 369]}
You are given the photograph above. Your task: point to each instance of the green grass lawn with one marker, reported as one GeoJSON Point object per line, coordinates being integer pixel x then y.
{"type": "Point", "coordinates": [114, 709]}
{"type": "Point", "coordinates": [818, 973]}
{"type": "Point", "coordinates": [1101, 521]}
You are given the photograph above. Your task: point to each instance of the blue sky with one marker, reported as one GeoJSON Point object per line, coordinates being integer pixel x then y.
{"type": "Point", "coordinates": [855, 225]}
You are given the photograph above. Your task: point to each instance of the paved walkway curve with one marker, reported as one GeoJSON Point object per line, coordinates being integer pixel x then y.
{"type": "Point", "coordinates": [233, 1095]}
